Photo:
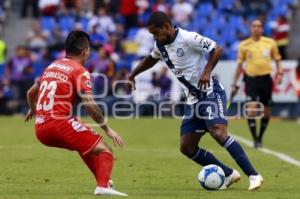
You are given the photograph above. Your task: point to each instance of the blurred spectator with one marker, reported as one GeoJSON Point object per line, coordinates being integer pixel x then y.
{"type": "Point", "coordinates": [121, 88]}
{"type": "Point", "coordinates": [3, 51]}
{"type": "Point", "coordinates": [103, 22]}
{"type": "Point", "coordinates": [165, 84]}
{"type": "Point", "coordinates": [34, 7]}
{"type": "Point", "coordinates": [129, 11]}
{"type": "Point", "coordinates": [19, 71]}
{"type": "Point", "coordinates": [103, 70]}
{"type": "Point", "coordinates": [281, 28]}
{"type": "Point", "coordinates": [4, 12]}
{"type": "Point", "coordinates": [71, 7]}
{"type": "Point", "coordinates": [161, 86]}
{"type": "Point", "coordinates": [145, 41]}
{"type": "Point", "coordinates": [36, 38]}
{"type": "Point", "coordinates": [142, 5]}
{"type": "Point", "coordinates": [49, 7]}
{"type": "Point", "coordinates": [56, 40]}
{"type": "Point", "coordinates": [155, 80]}
{"type": "Point", "coordinates": [161, 5]}
{"type": "Point", "coordinates": [97, 39]}
{"type": "Point", "coordinates": [6, 96]}
{"type": "Point", "coordinates": [182, 12]}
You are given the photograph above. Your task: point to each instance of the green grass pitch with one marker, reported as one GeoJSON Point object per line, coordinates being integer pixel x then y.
{"type": "Point", "coordinates": [150, 166]}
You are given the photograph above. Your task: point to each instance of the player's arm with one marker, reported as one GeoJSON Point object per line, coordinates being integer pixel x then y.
{"type": "Point", "coordinates": [238, 71]}
{"type": "Point", "coordinates": [145, 64]}
{"type": "Point", "coordinates": [32, 94]}
{"type": "Point", "coordinates": [96, 114]}
{"type": "Point", "coordinates": [276, 56]}
{"type": "Point", "coordinates": [213, 58]}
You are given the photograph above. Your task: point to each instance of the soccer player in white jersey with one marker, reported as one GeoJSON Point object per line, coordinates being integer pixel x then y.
{"type": "Point", "coordinates": [185, 53]}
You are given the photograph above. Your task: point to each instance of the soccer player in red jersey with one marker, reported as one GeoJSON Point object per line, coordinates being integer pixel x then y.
{"type": "Point", "coordinates": [52, 98]}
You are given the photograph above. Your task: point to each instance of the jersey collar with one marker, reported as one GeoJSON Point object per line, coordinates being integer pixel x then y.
{"type": "Point", "coordinates": [173, 39]}
{"type": "Point", "coordinates": [175, 35]}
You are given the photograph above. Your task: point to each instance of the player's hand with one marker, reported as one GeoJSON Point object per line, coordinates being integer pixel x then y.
{"type": "Point", "coordinates": [29, 115]}
{"type": "Point", "coordinates": [278, 78]}
{"type": "Point", "coordinates": [115, 137]}
{"type": "Point", "coordinates": [204, 81]}
{"type": "Point", "coordinates": [131, 83]}
{"type": "Point", "coordinates": [234, 90]}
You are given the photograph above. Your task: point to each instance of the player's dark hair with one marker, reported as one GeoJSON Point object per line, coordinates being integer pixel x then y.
{"type": "Point", "coordinates": [158, 19]}
{"type": "Point", "coordinates": [76, 42]}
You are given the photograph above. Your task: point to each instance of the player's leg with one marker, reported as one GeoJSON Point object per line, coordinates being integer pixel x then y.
{"type": "Point", "coordinates": [251, 105]}
{"type": "Point", "coordinates": [192, 129]}
{"type": "Point", "coordinates": [220, 134]}
{"type": "Point", "coordinates": [189, 147]}
{"type": "Point", "coordinates": [100, 162]}
{"type": "Point", "coordinates": [263, 125]}
{"type": "Point", "coordinates": [96, 154]}
{"type": "Point", "coordinates": [215, 111]}
{"type": "Point", "coordinates": [266, 99]}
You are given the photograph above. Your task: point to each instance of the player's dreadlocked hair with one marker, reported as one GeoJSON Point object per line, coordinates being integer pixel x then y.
{"type": "Point", "coordinates": [76, 42]}
{"type": "Point", "coordinates": [158, 19]}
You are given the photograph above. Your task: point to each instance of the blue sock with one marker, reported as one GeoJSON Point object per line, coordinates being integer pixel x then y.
{"type": "Point", "coordinates": [204, 158]}
{"type": "Point", "coordinates": [238, 154]}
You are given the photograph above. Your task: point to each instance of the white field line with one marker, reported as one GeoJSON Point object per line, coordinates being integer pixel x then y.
{"type": "Point", "coordinates": [279, 155]}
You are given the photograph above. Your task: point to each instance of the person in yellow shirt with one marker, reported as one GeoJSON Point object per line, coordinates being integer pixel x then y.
{"type": "Point", "coordinates": [2, 51]}
{"type": "Point", "coordinates": [255, 56]}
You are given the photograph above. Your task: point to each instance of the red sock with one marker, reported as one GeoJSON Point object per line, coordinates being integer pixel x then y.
{"type": "Point", "coordinates": [101, 166]}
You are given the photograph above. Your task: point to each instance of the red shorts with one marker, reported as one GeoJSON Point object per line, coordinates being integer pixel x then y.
{"type": "Point", "coordinates": [69, 134]}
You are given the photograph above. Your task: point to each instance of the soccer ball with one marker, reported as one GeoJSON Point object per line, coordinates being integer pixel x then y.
{"type": "Point", "coordinates": [211, 177]}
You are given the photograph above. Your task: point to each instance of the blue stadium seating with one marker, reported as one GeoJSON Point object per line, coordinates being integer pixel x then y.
{"type": "Point", "coordinates": [47, 23]}
{"type": "Point", "coordinates": [66, 23]}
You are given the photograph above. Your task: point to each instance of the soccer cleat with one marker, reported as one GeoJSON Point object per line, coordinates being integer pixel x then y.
{"type": "Point", "coordinates": [107, 191]}
{"type": "Point", "coordinates": [232, 178]}
{"type": "Point", "coordinates": [257, 144]}
{"type": "Point", "coordinates": [255, 182]}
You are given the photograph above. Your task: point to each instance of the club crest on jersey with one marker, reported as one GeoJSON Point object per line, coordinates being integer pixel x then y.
{"type": "Point", "coordinates": [177, 73]}
{"type": "Point", "coordinates": [180, 52]}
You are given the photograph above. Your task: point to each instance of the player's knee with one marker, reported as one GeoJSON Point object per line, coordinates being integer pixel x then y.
{"type": "Point", "coordinates": [187, 150]}
{"type": "Point", "coordinates": [219, 133]}
{"type": "Point", "coordinates": [101, 147]}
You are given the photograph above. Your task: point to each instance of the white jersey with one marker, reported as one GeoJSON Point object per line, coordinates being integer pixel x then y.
{"type": "Point", "coordinates": [185, 56]}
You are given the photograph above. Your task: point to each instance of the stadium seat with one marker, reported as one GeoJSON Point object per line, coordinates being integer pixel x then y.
{"type": "Point", "coordinates": [84, 21]}
{"type": "Point", "coordinates": [205, 9]}
{"type": "Point", "coordinates": [2, 67]}
{"type": "Point", "coordinates": [131, 33]}
{"type": "Point", "coordinates": [48, 23]}
{"type": "Point", "coordinates": [66, 23]}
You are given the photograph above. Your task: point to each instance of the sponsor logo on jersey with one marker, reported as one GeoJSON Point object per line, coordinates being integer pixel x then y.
{"type": "Point", "coordinates": [180, 52]}
{"type": "Point", "coordinates": [62, 67]}
{"type": "Point", "coordinates": [77, 126]}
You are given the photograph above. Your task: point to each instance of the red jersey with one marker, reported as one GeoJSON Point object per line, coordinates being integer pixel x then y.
{"type": "Point", "coordinates": [59, 86]}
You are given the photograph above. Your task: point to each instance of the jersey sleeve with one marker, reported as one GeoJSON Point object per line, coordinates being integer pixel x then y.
{"type": "Point", "coordinates": [241, 54]}
{"type": "Point", "coordinates": [201, 43]}
{"type": "Point", "coordinates": [82, 80]}
{"type": "Point", "coordinates": [275, 52]}
{"type": "Point", "coordinates": [155, 53]}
